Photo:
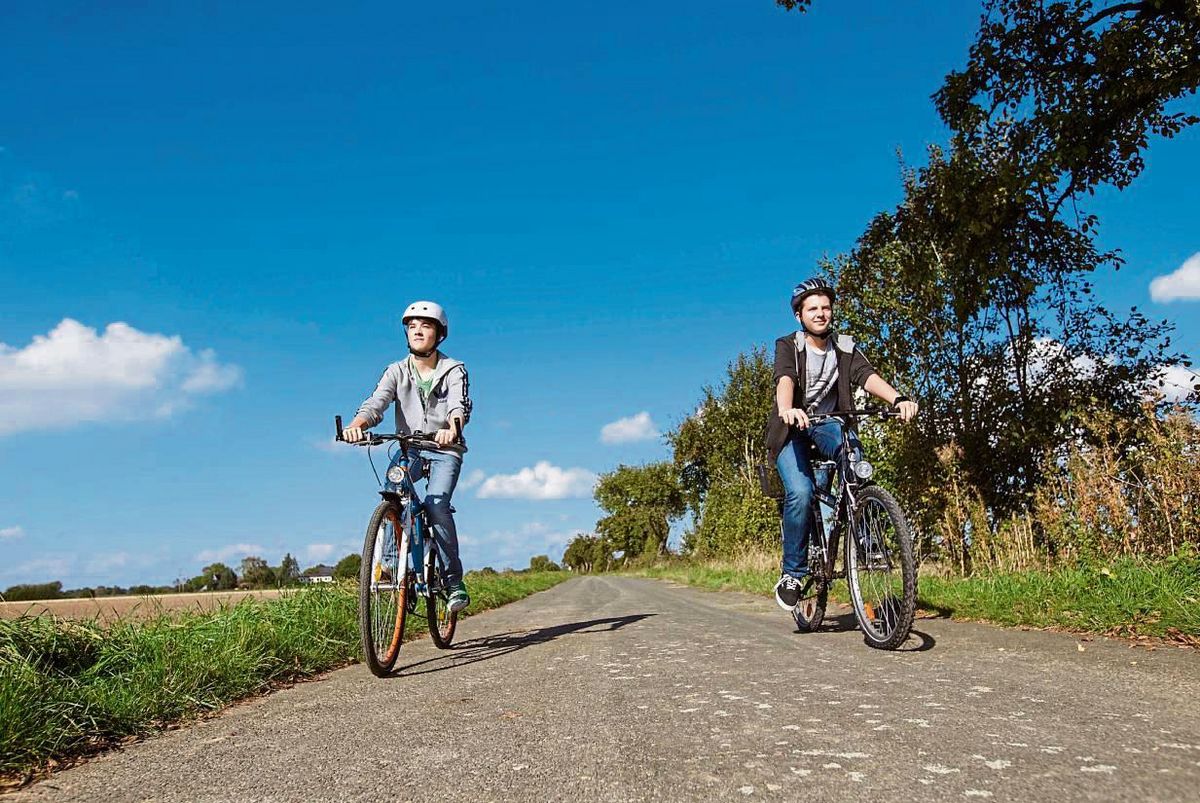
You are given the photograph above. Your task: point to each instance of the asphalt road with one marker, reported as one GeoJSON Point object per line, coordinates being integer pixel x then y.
{"type": "Point", "coordinates": [621, 689]}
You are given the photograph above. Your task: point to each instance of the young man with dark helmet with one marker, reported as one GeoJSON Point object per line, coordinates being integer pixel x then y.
{"type": "Point", "coordinates": [816, 372]}
{"type": "Point", "coordinates": [431, 393]}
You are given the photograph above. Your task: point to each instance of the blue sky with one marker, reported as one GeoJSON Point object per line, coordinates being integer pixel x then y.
{"type": "Point", "coordinates": [220, 211]}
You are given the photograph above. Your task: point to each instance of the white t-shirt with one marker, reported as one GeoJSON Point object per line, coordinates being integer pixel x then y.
{"type": "Point", "coordinates": [820, 379]}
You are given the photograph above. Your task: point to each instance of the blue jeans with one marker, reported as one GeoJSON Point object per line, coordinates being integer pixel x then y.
{"type": "Point", "coordinates": [444, 468]}
{"type": "Point", "coordinates": [796, 473]}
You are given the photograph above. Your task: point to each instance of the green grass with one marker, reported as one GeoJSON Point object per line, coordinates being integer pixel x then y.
{"type": "Point", "coordinates": [70, 687]}
{"type": "Point", "coordinates": [1124, 597]}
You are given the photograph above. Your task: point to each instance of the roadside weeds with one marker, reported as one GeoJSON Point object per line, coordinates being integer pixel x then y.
{"type": "Point", "coordinates": [70, 689]}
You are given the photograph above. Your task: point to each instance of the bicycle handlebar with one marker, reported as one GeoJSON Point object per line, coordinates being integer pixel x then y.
{"type": "Point", "coordinates": [423, 440]}
{"type": "Point", "coordinates": [817, 417]}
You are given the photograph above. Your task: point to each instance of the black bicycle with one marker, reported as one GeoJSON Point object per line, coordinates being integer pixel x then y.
{"type": "Point", "coordinates": [878, 562]}
{"type": "Point", "coordinates": [402, 570]}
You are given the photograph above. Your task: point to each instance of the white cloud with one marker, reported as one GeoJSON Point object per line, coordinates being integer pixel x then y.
{"type": "Point", "coordinates": [331, 446]}
{"type": "Point", "coordinates": [1045, 352]}
{"type": "Point", "coordinates": [12, 532]}
{"type": "Point", "coordinates": [227, 553]}
{"type": "Point", "coordinates": [1183, 283]}
{"type": "Point", "coordinates": [75, 374]}
{"type": "Point", "coordinates": [1175, 382]}
{"type": "Point", "coordinates": [637, 427]}
{"type": "Point", "coordinates": [102, 563]}
{"type": "Point", "coordinates": [210, 376]}
{"type": "Point", "coordinates": [543, 481]}
{"type": "Point", "coordinates": [1172, 382]}
{"type": "Point", "coordinates": [502, 549]}
{"type": "Point", "coordinates": [316, 553]}
{"type": "Point", "coordinates": [46, 568]}
{"type": "Point", "coordinates": [476, 477]}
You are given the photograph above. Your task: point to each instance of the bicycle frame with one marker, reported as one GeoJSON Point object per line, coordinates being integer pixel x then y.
{"type": "Point", "coordinates": [823, 559]}
{"type": "Point", "coordinates": [404, 494]}
{"type": "Point", "coordinates": [841, 507]}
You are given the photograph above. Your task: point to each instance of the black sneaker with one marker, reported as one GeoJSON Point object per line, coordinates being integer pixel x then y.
{"type": "Point", "coordinates": [787, 592]}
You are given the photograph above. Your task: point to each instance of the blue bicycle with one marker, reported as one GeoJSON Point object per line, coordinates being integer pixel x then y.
{"type": "Point", "coordinates": [402, 570]}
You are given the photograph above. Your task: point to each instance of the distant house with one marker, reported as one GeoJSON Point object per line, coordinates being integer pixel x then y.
{"type": "Point", "coordinates": [317, 574]}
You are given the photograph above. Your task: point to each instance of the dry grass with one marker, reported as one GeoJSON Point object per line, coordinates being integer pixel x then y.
{"type": "Point", "coordinates": [111, 609]}
{"type": "Point", "coordinates": [1128, 488]}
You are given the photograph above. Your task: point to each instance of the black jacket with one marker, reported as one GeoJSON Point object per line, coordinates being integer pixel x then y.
{"type": "Point", "coordinates": [853, 372]}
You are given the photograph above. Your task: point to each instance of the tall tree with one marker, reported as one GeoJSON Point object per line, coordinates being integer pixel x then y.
{"type": "Point", "coordinates": [977, 287]}
{"type": "Point", "coordinates": [218, 577]}
{"type": "Point", "coordinates": [348, 567]}
{"type": "Point", "coordinates": [641, 502]}
{"type": "Point", "coordinates": [580, 554]}
{"type": "Point", "coordinates": [542, 563]}
{"type": "Point", "coordinates": [288, 572]}
{"type": "Point", "coordinates": [717, 453]}
{"type": "Point", "coordinates": [256, 573]}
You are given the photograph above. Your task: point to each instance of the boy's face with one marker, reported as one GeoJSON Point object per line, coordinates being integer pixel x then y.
{"type": "Point", "coordinates": [422, 334]}
{"type": "Point", "coordinates": [816, 314]}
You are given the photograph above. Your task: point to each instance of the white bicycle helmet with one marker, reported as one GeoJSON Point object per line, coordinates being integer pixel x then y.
{"type": "Point", "coordinates": [428, 309]}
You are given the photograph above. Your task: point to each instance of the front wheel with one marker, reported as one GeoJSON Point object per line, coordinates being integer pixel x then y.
{"type": "Point", "coordinates": [385, 585]}
{"type": "Point", "coordinates": [881, 569]}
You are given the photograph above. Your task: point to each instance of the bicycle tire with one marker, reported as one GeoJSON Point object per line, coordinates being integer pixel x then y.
{"type": "Point", "coordinates": [884, 616]}
{"type": "Point", "coordinates": [810, 610]}
{"type": "Point", "coordinates": [383, 601]}
{"type": "Point", "coordinates": [442, 621]}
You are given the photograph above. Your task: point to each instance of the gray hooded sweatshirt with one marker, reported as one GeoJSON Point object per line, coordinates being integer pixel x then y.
{"type": "Point", "coordinates": [448, 394]}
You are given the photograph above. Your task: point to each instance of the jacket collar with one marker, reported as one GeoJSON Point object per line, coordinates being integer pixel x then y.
{"type": "Point", "coordinates": [444, 366]}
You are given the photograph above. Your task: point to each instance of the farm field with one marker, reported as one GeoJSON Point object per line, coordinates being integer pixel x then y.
{"type": "Point", "coordinates": [112, 608]}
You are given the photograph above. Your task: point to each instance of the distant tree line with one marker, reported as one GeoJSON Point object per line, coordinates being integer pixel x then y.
{"type": "Point", "coordinates": [255, 573]}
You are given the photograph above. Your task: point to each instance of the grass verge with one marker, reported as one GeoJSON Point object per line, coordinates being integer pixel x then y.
{"type": "Point", "coordinates": [68, 688]}
{"type": "Point", "coordinates": [1126, 597]}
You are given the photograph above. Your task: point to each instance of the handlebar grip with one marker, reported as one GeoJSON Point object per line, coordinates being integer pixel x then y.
{"type": "Point", "coordinates": [337, 421]}
{"type": "Point", "coordinates": [457, 425]}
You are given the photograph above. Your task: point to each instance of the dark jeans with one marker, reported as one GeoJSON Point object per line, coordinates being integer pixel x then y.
{"type": "Point", "coordinates": [796, 473]}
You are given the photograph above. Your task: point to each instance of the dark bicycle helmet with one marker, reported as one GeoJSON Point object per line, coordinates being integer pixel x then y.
{"type": "Point", "coordinates": [810, 287]}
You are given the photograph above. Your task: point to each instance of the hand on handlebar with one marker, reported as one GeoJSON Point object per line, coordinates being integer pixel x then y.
{"type": "Point", "coordinates": [353, 434]}
{"type": "Point", "coordinates": [795, 417]}
{"type": "Point", "coordinates": [907, 410]}
{"type": "Point", "coordinates": [450, 435]}
{"type": "Point", "coordinates": [444, 437]}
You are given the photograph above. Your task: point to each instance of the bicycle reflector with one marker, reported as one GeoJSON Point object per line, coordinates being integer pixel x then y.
{"type": "Point", "coordinates": [395, 474]}
{"type": "Point", "coordinates": [864, 470]}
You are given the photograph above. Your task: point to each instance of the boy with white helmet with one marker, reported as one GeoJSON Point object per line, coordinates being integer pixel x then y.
{"type": "Point", "coordinates": [431, 393]}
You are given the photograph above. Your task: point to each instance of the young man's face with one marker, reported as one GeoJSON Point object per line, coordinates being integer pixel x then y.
{"type": "Point", "coordinates": [422, 334]}
{"type": "Point", "coordinates": [816, 313]}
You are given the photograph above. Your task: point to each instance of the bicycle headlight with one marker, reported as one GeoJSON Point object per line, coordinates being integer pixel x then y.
{"type": "Point", "coordinates": [395, 474]}
{"type": "Point", "coordinates": [864, 470]}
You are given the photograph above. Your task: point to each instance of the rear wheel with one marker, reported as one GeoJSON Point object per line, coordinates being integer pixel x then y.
{"type": "Point", "coordinates": [810, 610]}
{"type": "Point", "coordinates": [814, 589]}
{"type": "Point", "coordinates": [881, 569]}
{"type": "Point", "coordinates": [442, 620]}
{"type": "Point", "coordinates": [384, 587]}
